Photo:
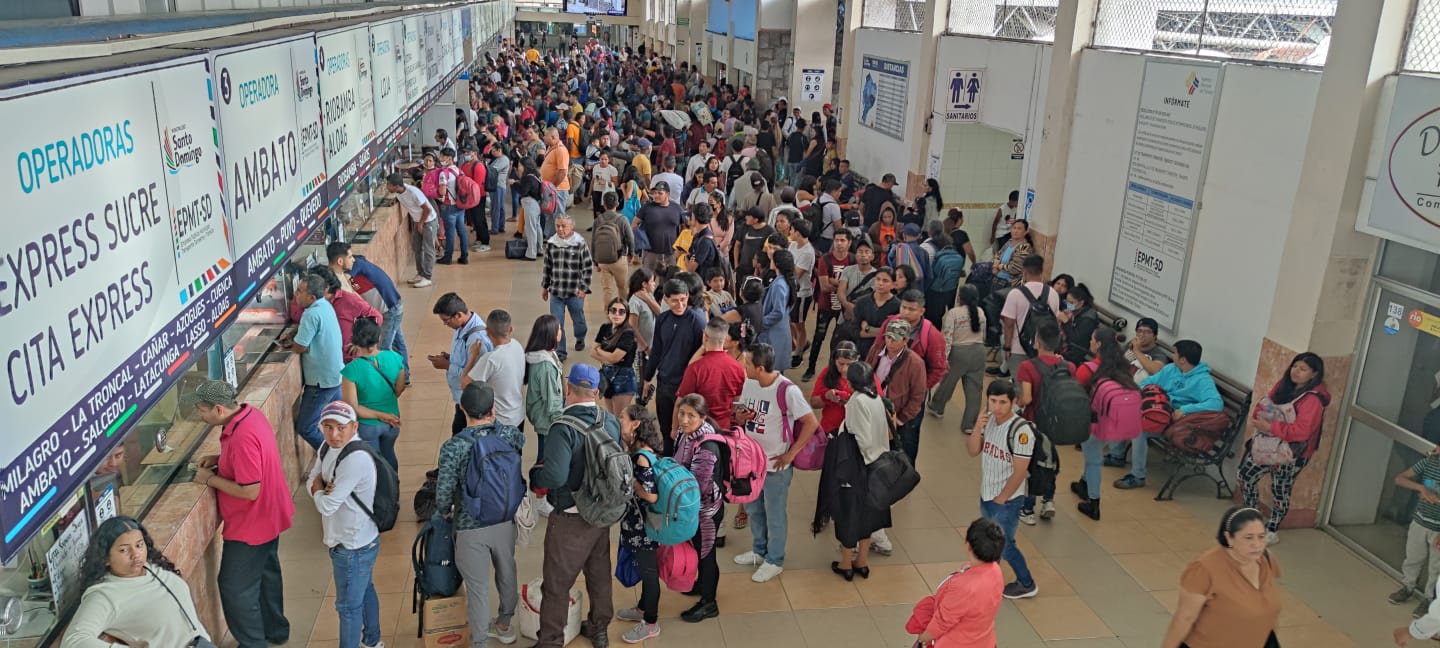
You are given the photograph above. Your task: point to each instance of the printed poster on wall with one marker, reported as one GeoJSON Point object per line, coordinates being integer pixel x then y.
{"type": "Point", "coordinates": [1162, 190]}
{"type": "Point", "coordinates": [387, 61]}
{"type": "Point", "coordinates": [812, 85]}
{"type": "Point", "coordinates": [347, 107]}
{"type": "Point", "coordinates": [122, 283]}
{"type": "Point", "coordinates": [883, 91]}
{"type": "Point", "coordinates": [415, 79]}
{"type": "Point", "coordinates": [274, 157]}
{"type": "Point", "coordinates": [1401, 201]}
{"type": "Point", "coordinates": [430, 42]}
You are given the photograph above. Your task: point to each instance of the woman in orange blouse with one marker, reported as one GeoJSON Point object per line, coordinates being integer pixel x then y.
{"type": "Point", "coordinates": [1228, 596]}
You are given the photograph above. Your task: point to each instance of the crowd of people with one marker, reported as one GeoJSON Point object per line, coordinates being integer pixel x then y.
{"type": "Point", "coordinates": [736, 253]}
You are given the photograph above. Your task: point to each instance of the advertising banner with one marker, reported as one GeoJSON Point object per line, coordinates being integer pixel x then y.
{"type": "Point", "coordinates": [1401, 201]}
{"type": "Point", "coordinates": [274, 156]}
{"type": "Point", "coordinates": [388, 73]}
{"type": "Point", "coordinates": [347, 107]}
{"type": "Point", "coordinates": [1162, 191]}
{"type": "Point", "coordinates": [416, 80]}
{"type": "Point", "coordinates": [430, 41]}
{"type": "Point", "coordinates": [116, 281]}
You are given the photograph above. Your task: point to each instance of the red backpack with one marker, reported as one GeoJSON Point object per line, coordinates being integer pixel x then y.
{"type": "Point", "coordinates": [549, 199]}
{"type": "Point", "coordinates": [679, 565]}
{"type": "Point", "coordinates": [1155, 409]}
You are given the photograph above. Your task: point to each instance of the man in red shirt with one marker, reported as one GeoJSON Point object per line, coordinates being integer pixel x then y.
{"type": "Point", "coordinates": [1032, 382]}
{"type": "Point", "coordinates": [254, 501]}
{"type": "Point", "coordinates": [827, 304]}
{"type": "Point", "coordinates": [348, 308]}
{"type": "Point", "coordinates": [715, 375]}
{"type": "Point", "coordinates": [925, 340]}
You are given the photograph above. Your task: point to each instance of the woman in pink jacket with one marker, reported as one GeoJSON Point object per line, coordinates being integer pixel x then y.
{"type": "Point", "coordinates": [961, 613]}
{"type": "Point", "coordinates": [1289, 418]}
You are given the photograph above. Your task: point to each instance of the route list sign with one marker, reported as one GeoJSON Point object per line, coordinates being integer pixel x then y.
{"type": "Point", "coordinates": [1167, 165]}
{"type": "Point", "coordinates": [883, 95]}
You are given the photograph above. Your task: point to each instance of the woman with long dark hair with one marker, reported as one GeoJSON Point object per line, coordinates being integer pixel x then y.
{"type": "Point", "coordinates": [132, 593]}
{"type": "Point", "coordinates": [932, 193]}
{"type": "Point", "coordinates": [964, 329]}
{"type": "Point", "coordinates": [1111, 371]}
{"type": "Point", "coordinates": [779, 299]}
{"type": "Point", "coordinates": [702, 458]}
{"type": "Point", "coordinates": [1008, 259]}
{"type": "Point", "coordinates": [1078, 320]}
{"type": "Point", "coordinates": [372, 383]}
{"type": "Point", "coordinates": [868, 420]}
{"type": "Point", "coordinates": [543, 396]}
{"type": "Point", "coordinates": [614, 349]}
{"type": "Point", "coordinates": [1228, 596]}
{"type": "Point", "coordinates": [832, 389]}
{"type": "Point", "coordinates": [1289, 418]}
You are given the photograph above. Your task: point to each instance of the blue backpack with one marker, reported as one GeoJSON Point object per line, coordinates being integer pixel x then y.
{"type": "Point", "coordinates": [432, 557]}
{"type": "Point", "coordinates": [493, 483]}
{"type": "Point", "coordinates": [946, 271]}
{"type": "Point", "coordinates": [675, 515]}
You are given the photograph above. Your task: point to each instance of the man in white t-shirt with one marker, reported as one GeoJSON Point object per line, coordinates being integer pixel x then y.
{"type": "Point", "coordinates": [503, 369]}
{"type": "Point", "coordinates": [804, 253]}
{"type": "Point", "coordinates": [424, 226]}
{"type": "Point", "coordinates": [698, 160]}
{"type": "Point", "coordinates": [1017, 310]}
{"type": "Point", "coordinates": [1004, 442]}
{"type": "Point", "coordinates": [759, 411]}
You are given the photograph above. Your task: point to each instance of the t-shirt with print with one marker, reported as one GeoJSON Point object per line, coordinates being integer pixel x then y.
{"type": "Point", "coordinates": [1029, 374]}
{"type": "Point", "coordinates": [767, 428]}
{"type": "Point", "coordinates": [828, 266]}
{"type": "Point", "coordinates": [1427, 472]}
{"type": "Point", "coordinates": [1017, 307]}
{"type": "Point", "coordinates": [374, 378]}
{"type": "Point", "coordinates": [997, 463]}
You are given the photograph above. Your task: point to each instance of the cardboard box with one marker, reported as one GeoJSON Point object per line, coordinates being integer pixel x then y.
{"type": "Point", "coordinates": [451, 638]}
{"type": "Point", "coordinates": [444, 614]}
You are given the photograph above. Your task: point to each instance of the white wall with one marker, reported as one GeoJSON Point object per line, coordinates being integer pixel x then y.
{"type": "Point", "coordinates": [777, 14]}
{"type": "Point", "coordinates": [871, 153]}
{"type": "Point", "coordinates": [1257, 144]}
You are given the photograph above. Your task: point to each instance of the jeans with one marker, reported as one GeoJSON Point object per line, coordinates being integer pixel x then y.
{"type": "Point", "coordinates": [909, 433]}
{"type": "Point", "coordinates": [307, 420]}
{"type": "Point", "coordinates": [532, 228]}
{"type": "Point", "coordinates": [1142, 453]}
{"type": "Point", "coordinates": [564, 195]}
{"type": "Point", "coordinates": [355, 598]}
{"type": "Point", "coordinates": [422, 243]}
{"type": "Point", "coordinates": [576, 305]}
{"type": "Point", "coordinates": [252, 593]}
{"type": "Point", "coordinates": [455, 231]}
{"type": "Point", "coordinates": [1007, 515]}
{"type": "Point", "coordinates": [477, 553]}
{"type": "Point", "coordinates": [967, 367]}
{"type": "Point", "coordinates": [769, 521]}
{"type": "Point", "coordinates": [497, 209]}
{"type": "Point", "coordinates": [382, 437]}
{"type": "Point", "coordinates": [392, 337]}
{"type": "Point", "coordinates": [1094, 450]}
{"type": "Point", "coordinates": [795, 169]}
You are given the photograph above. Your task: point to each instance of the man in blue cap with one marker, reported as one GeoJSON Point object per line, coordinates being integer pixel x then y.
{"type": "Point", "coordinates": [571, 543]}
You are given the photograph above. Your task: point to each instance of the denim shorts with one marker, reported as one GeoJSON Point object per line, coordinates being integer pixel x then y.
{"type": "Point", "coordinates": [620, 381]}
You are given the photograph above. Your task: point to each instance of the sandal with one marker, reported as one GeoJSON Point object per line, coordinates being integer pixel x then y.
{"type": "Point", "coordinates": [741, 519]}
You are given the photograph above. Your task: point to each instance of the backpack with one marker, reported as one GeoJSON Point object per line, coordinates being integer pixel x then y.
{"type": "Point", "coordinates": [675, 515]}
{"type": "Point", "coordinates": [1117, 412]}
{"type": "Point", "coordinates": [433, 559]}
{"type": "Point", "coordinates": [607, 242]}
{"type": "Point", "coordinates": [946, 271]}
{"type": "Point", "coordinates": [748, 465]}
{"type": "Point", "coordinates": [387, 485]}
{"type": "Point", "coordinates": [493, 484]}
{"type": "Point", "coordinates": [1198, 433]}
{"type": "Point", "coordinates": [1038, 315]}
{"type": "Point", "coordinates": [1042, 458]}
{"type": "Point", "coordinates": [430, 184]}
{"type": "Point", "coordinates": [467, 192]}
{"type": "Point", "coordinates": [425, 497]}
{"type": "Point", "coordinates": [606, 486]}
{"type": "Point", "coordinates": [814, 213]}
{"type": "Point", "coordinates": [1155, 409]}
{"type": "Point", "coordinates": [492, 179]}
{"type": "Point", "coordinates": [910, 254]}
{"type": "Point", "coordinates": [734, 171]}
{"type": "Point", "coordinates": [549, 199]}
{"type": "Point", "coordinates": [1063, 412]}
{"type": "Point", "coordinates": [679, 565]}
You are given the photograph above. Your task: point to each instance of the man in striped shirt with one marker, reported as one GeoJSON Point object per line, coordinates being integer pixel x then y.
{"type": "Point", "coordinates": [1004, 442]}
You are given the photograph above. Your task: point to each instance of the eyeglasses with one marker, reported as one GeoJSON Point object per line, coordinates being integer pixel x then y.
{"type": "Point", "coordinates": [619, 311]}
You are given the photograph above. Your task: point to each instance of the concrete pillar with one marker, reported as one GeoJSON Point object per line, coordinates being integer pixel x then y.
{"type": "Point", "coordinates": [847, 58]}
{"type": "Point", "coordinates": [1325, 263]}
{"type": "Point", "coordinates": [922, 92]}
{"type": "Point", "coordinates": [1074, 27]}
{"type": "Point", "coordinates": [814, 48]}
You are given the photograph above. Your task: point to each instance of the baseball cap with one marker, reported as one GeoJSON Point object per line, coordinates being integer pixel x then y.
{"type": "Point", "coordinates": [889, 177]}
{"type": "Point", "coordinates": [644, 143]}
{"type": "Point", "coordinates": [478, 399]}
{"type": "Point", "coordinates": [211, 392]}
{"type": "Point", "coordinates": [757, 180]}
{"type": "Point", "coordinates": [338, 411]}
{"type": "Point", "coordinates": [897, 329]}
{"type": "Point", "coordinates": [584, 375]}
{"type": "Point", "coordinates": [1147, 322]}
{"type": "Point", "coordinates": [910, 229]}
{"type": "Point", "coordinates": [660, 183]}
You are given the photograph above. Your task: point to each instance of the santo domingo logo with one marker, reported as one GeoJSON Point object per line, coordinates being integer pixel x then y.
{"type": "Point", "coordinates": [181, 148]}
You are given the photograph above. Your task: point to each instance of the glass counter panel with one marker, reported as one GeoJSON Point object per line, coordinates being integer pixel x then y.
{"type": "Point", "coordinates": [1369, 508]}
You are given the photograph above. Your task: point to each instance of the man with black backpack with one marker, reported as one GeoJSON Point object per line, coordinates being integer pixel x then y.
{"type": "Point", "coordinates": [1027, 307]}
{"type": "Point", "coordinates": [1044, 400]}
{"type": "Point", "coordinates": [479, 489]}
{"type": "Point", "coordinates": [588, 477]}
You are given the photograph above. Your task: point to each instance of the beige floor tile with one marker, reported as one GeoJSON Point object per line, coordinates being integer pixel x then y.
{"type": "Point", "coordinates": [1101, 642]}
{"type": "Point", "coordinates": [935, 573]}
{"type": "Point", "coordinates": [943, 544]}
{"type": "Point", "coordinates": [737, 594]}
{"type": "Point", "coordinates": [1064, 617]}
{"type": "Point", "coordinates": [838, 628]}
{"type": "Point", "coordinates": [1321, 634]}
{"type": "Point", "coordinates": [307, 578]}
{"type": "Point", "coordinates": [327, 622]}
{"type": "Point", "coordinates": [1124, 537]}
{"type": "Point", "coordinates": [890, 622]}
{"type": "Point", "coordinates": [892, 585]}
{"type": "Point", "coordinates": [917, 512]}
{"type": "Point", "coordinates": [1012, 628]}
{"type": "Point", "coordinates": [1047, 578]}
{"type": "Point", "coordinates": [675, 633]}
{"type": "Point", "coordinates": [809, 589]}
{"type": "Point", "coordinates": [761, 630]}
{"type": "Point", "coordinates": [1167, 598]}
{"type": "Point", "coordinates": [420, 454]}
{"type": "Point", "coordinates": [1154, 571]}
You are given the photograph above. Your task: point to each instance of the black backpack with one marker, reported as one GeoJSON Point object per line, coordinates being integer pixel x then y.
{"type": "Point", "coordinates": [734, 171]}
{"type": "Point", "coordinates": [387, 485]}
{"type": "Point", "coordinates": [1038, 315]}
{"type": "Point", "coordinates": [1063, 413]}
{"type": "Point", "coordinates": [433, 558]}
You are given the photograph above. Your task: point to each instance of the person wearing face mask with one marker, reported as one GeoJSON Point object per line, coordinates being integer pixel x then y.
{"type": "Point", "coordinates": [1228, 596]}
{"type": "Point", "coordinates": [133, 594]}
{"type": "Point", "coordinates": [1078, 320]}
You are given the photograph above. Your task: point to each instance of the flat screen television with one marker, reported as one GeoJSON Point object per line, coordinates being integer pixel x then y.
{"type": "Point", "coordinates": [596, 7]}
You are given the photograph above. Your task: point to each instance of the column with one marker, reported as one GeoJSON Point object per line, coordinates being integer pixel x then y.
{"type": "Point", "coordinates": [853, 9]}
{"type": "Point", "coordinates": [1073, 31]}
{"type": "Point", "coordinates": [814, 49]}
{"type": "Point", "coordinates": [922, 88]}
{"type": "Point", "coordinates": [1325, 263]}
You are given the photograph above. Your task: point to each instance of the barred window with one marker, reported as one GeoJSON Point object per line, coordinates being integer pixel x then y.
{"type": "Point", "coordinates": [1422, 45]}
{"type": "Point", "coordinates": [1286, 31]}
{"type": "Point", "coordinates": [1019, 19]}
{"type": "Point", "coordinates": [902, 15]}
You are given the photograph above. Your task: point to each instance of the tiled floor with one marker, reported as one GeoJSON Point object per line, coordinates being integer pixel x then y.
{"type": "Point", "coordinates": [1105, 584]}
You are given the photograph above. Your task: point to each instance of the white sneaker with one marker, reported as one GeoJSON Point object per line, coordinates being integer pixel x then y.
{"type": "Point", "coordinates": [544, 507]}
{"type": "Point", "coordinates": [423, 283]}
{"type": "Point", "coordinates": [414, 280]}
{"type": "Point", "coordinates": [1272, 538]}
{"type": "Point", "coordinates": [880, 543]}
{"type": "Point", "coordinates": [766, 572]}
{"type": "Point", "coordinates": [484, 248]}
{"type": "Point", "coordinates": [1047, 510]}
{"type": "Point", "coordinates": [378, 645]}
{"type": "Point", "coordinates": [749, 558]}
{"type": "Point", "coordinates": [1029, 518]}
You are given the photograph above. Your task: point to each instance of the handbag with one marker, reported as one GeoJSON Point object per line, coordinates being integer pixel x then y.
{"type": "Point", "coordinates": [199, 641]}
{"type": "Point", "coordinates": [626, 570]}
{"type": "Point", "coordinates": [1271, 450]}
{"type": "Point", "coordinates": [515, 249]}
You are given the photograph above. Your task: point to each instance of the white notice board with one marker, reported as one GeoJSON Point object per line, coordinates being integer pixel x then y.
{"type": "Point", "coordinates": [1168, 154]}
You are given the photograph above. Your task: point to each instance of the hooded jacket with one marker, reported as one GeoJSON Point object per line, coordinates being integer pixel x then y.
{"type": "Point", "coordinates": [568, 265]}
{"type": "Point", "coordinates": [562, 468]}
{"type": "Point", "coordinates": [543, 398]}
{"type": "Point", "coordinates": [1189, 392]}
{"type": "Point", "coordinates": [1309, 409]}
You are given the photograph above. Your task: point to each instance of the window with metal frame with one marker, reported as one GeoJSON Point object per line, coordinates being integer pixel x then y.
{"type": "Point", "coordinates": [1017, 19]}
{"type": "Point", "coordinates": [1295, 32]}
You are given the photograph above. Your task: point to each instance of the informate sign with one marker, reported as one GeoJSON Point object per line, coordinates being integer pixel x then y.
{"type": "Point", "coordinates": [1162, 190]}
{"type": "Point", "coordinates": [883, 89]}
{"type": "Point", "coordinates": [274, 157]}
{"type": "Point", "coordinates": [1401, 201]}
{"type": "Point", "coordinates": [347, 107]}
{"type": "Point", "coordinates": [117, 270]}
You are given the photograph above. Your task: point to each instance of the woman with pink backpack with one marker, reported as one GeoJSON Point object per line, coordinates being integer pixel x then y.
{"type": "Point", "coordinates": [1114, 411]}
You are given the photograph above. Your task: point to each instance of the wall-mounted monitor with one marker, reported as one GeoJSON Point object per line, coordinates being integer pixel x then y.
{"type": "Point", "coordinates": [596, 7]}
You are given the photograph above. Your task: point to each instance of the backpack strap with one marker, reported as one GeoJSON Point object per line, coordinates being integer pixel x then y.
{"type": "Point", "coordinates": [349, 449]}
{"type": "Point", "coordinates": [864, 281]}
{"type": "Point", "coordinates": [899, 360]}
{"type": "Point", "coordinates": [781, 401]}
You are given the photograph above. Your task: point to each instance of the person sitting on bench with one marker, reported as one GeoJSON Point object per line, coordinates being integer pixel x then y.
{"type": "Point", "coordinates": [1191, 389]}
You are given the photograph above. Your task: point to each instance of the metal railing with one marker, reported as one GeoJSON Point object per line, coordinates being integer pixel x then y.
{"type": "Point", "coordinates": [1014, 19]}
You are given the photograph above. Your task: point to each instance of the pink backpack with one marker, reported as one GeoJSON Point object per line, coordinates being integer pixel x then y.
{"type": "Point", "coordinates": [679, 565]}
{"type": "Point", "coordinates": [748, 465]}
{"type": "Point", "coordinates": [1117, 412]}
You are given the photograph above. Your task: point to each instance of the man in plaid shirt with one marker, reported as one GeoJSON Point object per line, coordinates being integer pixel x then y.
{"type": "Point", "coordinates": [566, 279]}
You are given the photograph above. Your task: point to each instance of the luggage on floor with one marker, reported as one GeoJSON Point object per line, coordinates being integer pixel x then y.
{"type": "Point", "coordinates": [425, 497]}
{"type": "Point", "coordinates": [433, 558]}
{"type": "Point", "coordinates": [527, 615]}
{"type": "Point", "coordinates": [515, 249]}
